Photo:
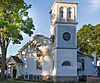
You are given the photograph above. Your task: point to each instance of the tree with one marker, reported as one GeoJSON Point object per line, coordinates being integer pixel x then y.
{"type": "Point", "coordinates": [14, 21]}
{"type": "Point", "coordinates": [88, 39]}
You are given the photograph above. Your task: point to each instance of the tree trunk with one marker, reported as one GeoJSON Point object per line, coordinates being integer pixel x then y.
{"type": "Point", "coordinates": [3, 63]}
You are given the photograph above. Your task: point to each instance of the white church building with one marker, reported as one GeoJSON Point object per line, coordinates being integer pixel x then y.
{"type": "Point", "coordinates": [56, 58]}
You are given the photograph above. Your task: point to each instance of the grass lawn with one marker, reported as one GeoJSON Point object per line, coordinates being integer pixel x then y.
{"type": "Point", "coordinates": [20, 81]}
{"type": "Point", "coordinates": [15, 81]}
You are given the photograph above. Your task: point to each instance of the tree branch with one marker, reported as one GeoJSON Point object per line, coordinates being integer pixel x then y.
{"type": "Point", "coordinates": [7, 43]}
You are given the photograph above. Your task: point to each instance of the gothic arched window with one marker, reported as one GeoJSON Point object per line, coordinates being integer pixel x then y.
{"type": "Point", "coordinates": [66, 63]}
{"type": "Point", "coordinates": [61, 12]}
{"type": "Point", "coordinates": [69, 13]}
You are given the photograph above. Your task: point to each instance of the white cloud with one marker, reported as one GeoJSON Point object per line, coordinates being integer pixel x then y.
{"type": "Point", "coordinates": [95, 4]}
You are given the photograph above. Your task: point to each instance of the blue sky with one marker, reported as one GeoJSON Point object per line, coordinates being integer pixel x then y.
{"type": "Point", "coordinates": [88, 12]}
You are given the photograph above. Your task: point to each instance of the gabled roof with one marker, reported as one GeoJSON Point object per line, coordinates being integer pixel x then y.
{"type": "Point", "coordinates": [80, 54]}
{"type": "Point", "coordinates": [17, 60]}
{"type": "Point", "coordinates": [35, 38]}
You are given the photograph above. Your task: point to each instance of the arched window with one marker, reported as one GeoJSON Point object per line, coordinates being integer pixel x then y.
{"type": "Point", "coordinates": [69, 13]}
{"type": "Point", "coordinates": [61, 12]}
{"type": "Point", "coordinates": [66, 63]}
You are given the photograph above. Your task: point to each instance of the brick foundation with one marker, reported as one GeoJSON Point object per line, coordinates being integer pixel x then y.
{"type": "Point", "coordinates": [93, 79]}
{"type": "Point", "coordinates": [64, 79]}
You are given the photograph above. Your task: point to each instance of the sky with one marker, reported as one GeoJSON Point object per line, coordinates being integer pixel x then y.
{"type": "Point", "coordinates": [88, 13]}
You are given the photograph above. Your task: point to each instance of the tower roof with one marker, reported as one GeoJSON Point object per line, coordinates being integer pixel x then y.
{"type": "Point", "coordinates": [61, 1]}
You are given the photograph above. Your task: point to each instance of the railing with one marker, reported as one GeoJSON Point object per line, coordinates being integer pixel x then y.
{"type": "Point", "coordinates": [67, 20]}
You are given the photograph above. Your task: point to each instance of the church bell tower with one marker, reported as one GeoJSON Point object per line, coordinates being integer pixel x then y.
{"type": "Point", "coordinates": [63, 31]}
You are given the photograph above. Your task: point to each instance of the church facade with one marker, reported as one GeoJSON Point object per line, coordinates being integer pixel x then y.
{"type": "Point", "coordinates": [56, 58]}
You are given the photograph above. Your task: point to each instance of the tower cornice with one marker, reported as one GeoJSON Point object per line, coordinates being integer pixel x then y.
{"type": "Point", "coordinates": [65, 2]}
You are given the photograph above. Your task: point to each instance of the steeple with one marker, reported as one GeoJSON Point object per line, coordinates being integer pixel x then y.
{"type": "Point", "coordinates": [64, 46]}
{"type": "Point", "coordinates": [63, 11]}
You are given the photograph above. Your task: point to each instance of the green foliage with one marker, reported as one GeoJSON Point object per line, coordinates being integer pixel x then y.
{"type": "Point", "coordinates": [89, 39]}
{"type": "Point", "coordinates": [14, 20]}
